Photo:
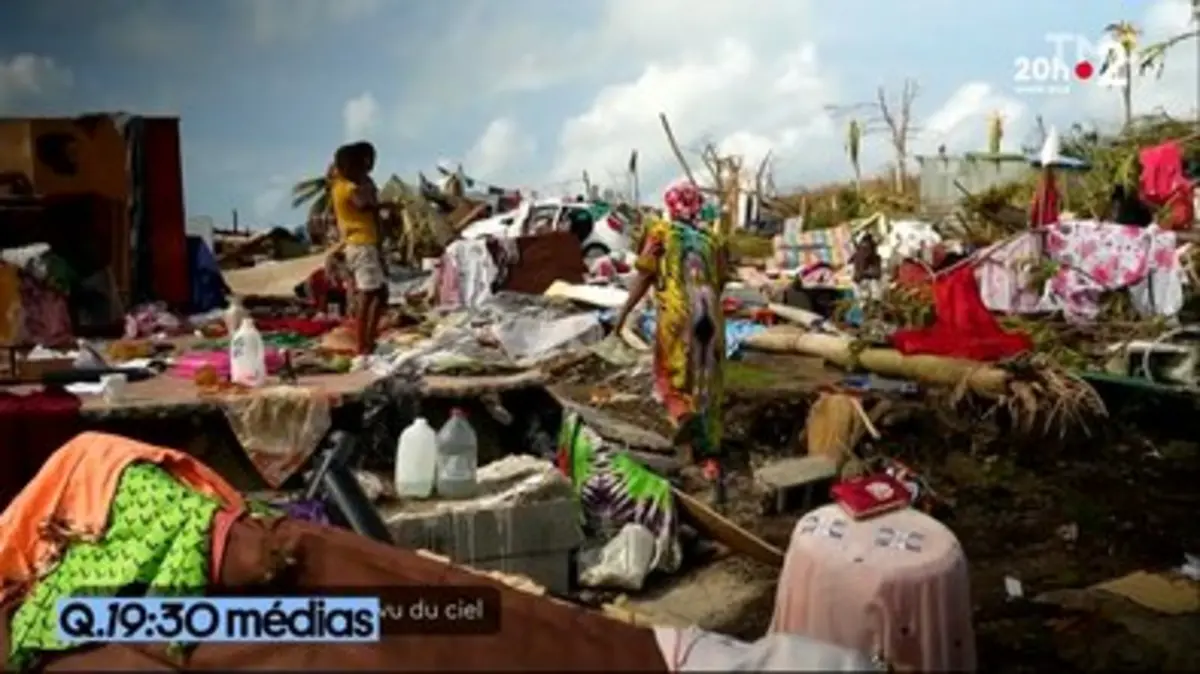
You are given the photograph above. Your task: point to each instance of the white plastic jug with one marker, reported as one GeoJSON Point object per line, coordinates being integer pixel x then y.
{"type": "Point", "coordinates": [247, 356]}
{"type": "Point", "coordinates": [458, 457]}
{"type": "Point", "coordinates": [416, 460]}
{"type": "Point", "coordinates": [235, 313]}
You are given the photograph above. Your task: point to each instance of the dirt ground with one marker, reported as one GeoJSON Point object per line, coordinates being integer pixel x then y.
{"type": "Point", "coordinates": [1053, 513]}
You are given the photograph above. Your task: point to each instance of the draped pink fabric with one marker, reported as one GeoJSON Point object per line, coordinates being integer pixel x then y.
{"type": "Point", "coordinates": [896, 585]}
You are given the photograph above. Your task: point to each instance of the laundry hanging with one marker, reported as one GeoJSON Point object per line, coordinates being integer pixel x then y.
{"type": "Point", "coordinates": [1163, 185]}
{"type": "Point", "coordinates": [963, 327]}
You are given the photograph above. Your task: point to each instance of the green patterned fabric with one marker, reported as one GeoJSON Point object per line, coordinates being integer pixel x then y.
{"type": "Point", "coordinates": [615, 489]}
{"type": "Point", "coordinates": [158, 536]}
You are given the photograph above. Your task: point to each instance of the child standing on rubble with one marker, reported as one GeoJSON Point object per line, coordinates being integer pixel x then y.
{"type": "Point", "coordinates": [685, 260]}
{"type": "Point", "coordinates": [355, 205]}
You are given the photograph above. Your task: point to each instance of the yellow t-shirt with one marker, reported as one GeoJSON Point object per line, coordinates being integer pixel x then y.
{"type": "Point", "coordinates": [356, 226]}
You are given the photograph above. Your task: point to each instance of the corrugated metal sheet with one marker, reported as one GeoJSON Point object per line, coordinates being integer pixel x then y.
{"type": "Point", "coordinates": [939, 174]}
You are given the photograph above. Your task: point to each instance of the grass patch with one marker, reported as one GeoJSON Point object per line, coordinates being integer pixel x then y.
{"type": "Point", "coordinates": [750, 376]}
{"type": "Point", "coordinates": [744, 245]}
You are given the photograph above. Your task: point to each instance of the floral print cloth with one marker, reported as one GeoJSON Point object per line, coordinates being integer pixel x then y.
{"type": "Point", "coordinates": [1095, 257]}
{"type": "Point", "coordinates": [1005, 274]}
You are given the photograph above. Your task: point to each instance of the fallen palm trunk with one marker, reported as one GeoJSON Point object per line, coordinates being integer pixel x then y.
{"type": "Point", "coordinates": [933, 370]}
{"type": "Point", "coordinates": [1033, 390]}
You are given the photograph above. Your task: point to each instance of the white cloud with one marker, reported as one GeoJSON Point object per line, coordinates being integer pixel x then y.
{"type": "Point", "coordinates": [484, 51]}
{"type": "Point", "coordinates": [960, 123]}
{"type": "Point", "coordinates": [26, 76]}
{"type": "Point", "coordinates": [271, 21]}
{"type": "Point", "coordinates": [360, 117]}
{"type": "Point", "coordinates": [502, 146]}
{"type": "Point", "coordinates": [727, 94]}
{"type": "Point", "coordinates": [269, 206]}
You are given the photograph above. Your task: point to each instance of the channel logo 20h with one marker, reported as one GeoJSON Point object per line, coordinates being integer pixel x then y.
{"type": "Point", "coordinates": [1072, 60]}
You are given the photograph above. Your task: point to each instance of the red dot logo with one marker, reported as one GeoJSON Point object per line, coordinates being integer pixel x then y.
{"type": "Point", "coordinates": [1084, 70]}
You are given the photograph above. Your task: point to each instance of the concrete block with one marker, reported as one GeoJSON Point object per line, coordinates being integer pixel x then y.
{"type": "Point", "coordinates": [551, 570]}
{"type": "Point", "coordinates": [796, 482]}
{"type": "Point", "coordinates": [532, 539]}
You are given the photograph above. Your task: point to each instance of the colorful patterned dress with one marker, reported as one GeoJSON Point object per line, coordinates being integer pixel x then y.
{"type": "Point", "coordinates": [688, 263]}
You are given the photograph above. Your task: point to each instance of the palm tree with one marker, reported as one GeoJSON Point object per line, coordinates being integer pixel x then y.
{"type": "Point", "coordinates": [1125, 34]}
{"type": "Point", "coordinates": [853, 144]}
{"type": "Point", "coordinates": [1154, 56]}
{"type": "Point", "coordinates": [315, 193]}
{"type": "Point", "coordinates": [995, 132]}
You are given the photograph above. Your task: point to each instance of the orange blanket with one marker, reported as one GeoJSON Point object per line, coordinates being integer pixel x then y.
{"type": "Point", "coordinates": [69, 499]}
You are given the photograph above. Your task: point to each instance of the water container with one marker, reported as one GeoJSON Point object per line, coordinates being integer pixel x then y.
{"type": "Point", "coordinates": [247, 356]}
{"type": "Point", "coordinates": [458, 457]}
{"type": "Point", "coordinates": [235, 313]}
{"type": "Point", "coordinates": [416, 460]}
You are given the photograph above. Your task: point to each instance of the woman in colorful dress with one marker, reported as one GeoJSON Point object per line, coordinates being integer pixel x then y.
{"type": "Point", "coordinates": [685, 261]}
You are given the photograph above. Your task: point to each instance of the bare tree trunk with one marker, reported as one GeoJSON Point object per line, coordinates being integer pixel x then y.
{"type": "Point", "coordinates": [1127, 91]}
{"type": "Point", "coordinates": [900, 127]}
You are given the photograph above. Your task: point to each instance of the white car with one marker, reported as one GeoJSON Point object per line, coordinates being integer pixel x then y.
{"type": "Point", "coordinates": [608, 234]}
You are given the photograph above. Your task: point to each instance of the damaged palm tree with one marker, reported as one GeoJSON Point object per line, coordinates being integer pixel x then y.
{"type": "Point", "coordinates": [419, 226]}
{"type": "Point", "coordinates": [316, 194]}
{"type": "Point", "coordinates": [995, 132]}
{"type": "Point", "coordinates": [893, 117]}
{"type": "Point", "coordinates": [1125, 35]}
{"type": "Point", "coordinates": [853, 145]}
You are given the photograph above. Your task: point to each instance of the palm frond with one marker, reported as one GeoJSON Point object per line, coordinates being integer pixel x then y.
{"type": "Point", "coordinates": [1153, 57]}
{"type": "Point", "coordinates": [309, 190]}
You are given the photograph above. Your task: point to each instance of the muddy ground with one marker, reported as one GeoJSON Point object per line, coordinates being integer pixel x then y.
{"type": "Point", "coordinates": [1055, 513]}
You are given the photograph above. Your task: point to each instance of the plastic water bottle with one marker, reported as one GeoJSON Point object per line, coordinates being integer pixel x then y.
{"type": "Point", "coordinates": [247, 356]}
{"type": "Point", "coordinates": [416, 460]}
{"type": "Point", "coordinates": [458, 457]}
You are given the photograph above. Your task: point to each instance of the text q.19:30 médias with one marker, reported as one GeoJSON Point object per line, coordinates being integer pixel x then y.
{"type": "Point", "coordinates": [219, 619]}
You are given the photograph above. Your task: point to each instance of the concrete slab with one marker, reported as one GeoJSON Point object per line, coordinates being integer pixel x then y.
{"type": "Point", "coordinates": [725, 596]}
{"type": "Point", "coordinates": [523, 521]}
{"type": "Point", "coordinates": [796, 482]}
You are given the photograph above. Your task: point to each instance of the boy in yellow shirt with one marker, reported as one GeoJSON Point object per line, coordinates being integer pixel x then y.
{"type": "Point", "coordinates": [355, 206]}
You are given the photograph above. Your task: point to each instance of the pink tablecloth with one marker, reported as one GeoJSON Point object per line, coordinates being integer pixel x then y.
{"type": "Point", "coordinates": [896, 584]}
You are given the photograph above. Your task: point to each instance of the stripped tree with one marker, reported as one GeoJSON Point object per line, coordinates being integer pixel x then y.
{"type": "Point", "coordinates": [893, 117]}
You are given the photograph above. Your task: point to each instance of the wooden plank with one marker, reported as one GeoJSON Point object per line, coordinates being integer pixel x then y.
{"type": "Point", "coordinates": [725, 532]}
{"type": "Point", "coordinates": [612, 428]}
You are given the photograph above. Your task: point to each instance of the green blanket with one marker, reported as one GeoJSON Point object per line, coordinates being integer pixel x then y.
{"type": "Point", "coordinates": [157, 541]}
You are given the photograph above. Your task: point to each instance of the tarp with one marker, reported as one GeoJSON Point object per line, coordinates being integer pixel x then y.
{"type": "Point", "coordinates": [273, 279]}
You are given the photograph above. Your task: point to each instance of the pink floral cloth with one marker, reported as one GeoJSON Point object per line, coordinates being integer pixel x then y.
{"type": "Point", "coordinates": [1096, 257]}
{"type": "Point", "coordinates": [1005, 274]}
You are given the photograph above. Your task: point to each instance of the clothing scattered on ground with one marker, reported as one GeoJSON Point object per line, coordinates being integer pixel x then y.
{"type": "Point", "coordinates": [614, 489]}
{"type": "Point", "coordinates": [963, 326]}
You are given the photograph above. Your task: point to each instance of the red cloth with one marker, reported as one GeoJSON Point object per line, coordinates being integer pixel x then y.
{"type": "Point", "coordinates": [320, 284]}
{"type": "Point", "coordinates": [163, 201]}
{"type": "Point", "coordinates": [1044, 208]}
{"type": "Point", "coordinates": [963, 328]}
{"type": "Point", "coordinates": [305, 327]}
{"type": "Point", "coordinates": [911, 274]}
{"type": "Point", "coordinates": [32, 427]}
{"type": "Point", "coordinates": [1163, 184]}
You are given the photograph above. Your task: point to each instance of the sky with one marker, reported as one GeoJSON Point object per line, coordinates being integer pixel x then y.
{"type": "Point", "coordinates": [532, 93]}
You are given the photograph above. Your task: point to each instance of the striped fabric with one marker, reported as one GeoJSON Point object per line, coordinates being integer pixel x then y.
{"type": "Point", "coordinates": [796, 249]}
